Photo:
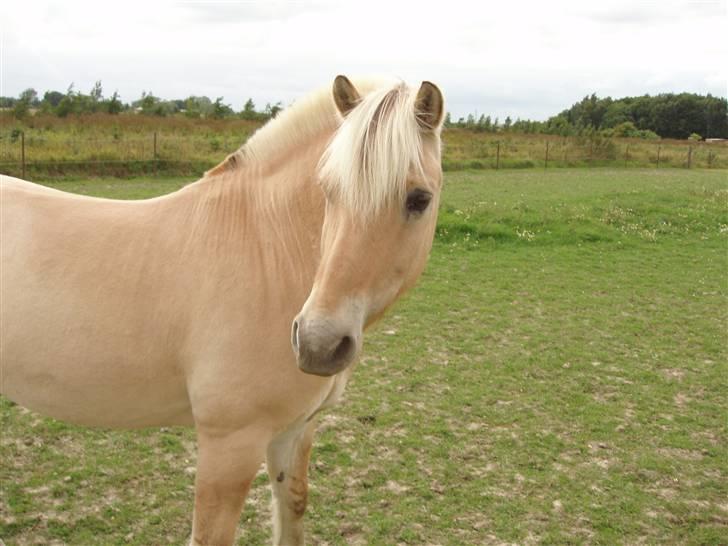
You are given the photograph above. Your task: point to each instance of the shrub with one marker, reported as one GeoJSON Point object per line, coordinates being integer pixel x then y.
{"type": "Point", "coordinates": [648, 135]}
{"type": "Point", "coordinates": [625, 129]}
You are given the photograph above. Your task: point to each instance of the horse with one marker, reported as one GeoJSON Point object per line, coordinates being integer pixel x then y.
{"type": "Point", "coordinates": [236, 304]}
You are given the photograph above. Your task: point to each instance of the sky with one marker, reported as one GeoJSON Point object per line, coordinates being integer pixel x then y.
{"type": "Point", "coordinates": [517, 58]}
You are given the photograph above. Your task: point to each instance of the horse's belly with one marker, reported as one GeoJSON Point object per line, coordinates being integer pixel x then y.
{"type": "Point", "coordinates": [63, 358]}
{"type": "Point", "coordinates": [103, 396]}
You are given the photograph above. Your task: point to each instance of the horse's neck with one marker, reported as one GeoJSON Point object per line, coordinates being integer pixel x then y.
{"type": "Point", "coordinates": [272, 214]}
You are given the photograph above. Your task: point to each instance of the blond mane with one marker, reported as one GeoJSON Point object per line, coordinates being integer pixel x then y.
{"type": "Point", "coordinates": [371, 153]}
{"type": "Point", "coordinates": [375, 149]}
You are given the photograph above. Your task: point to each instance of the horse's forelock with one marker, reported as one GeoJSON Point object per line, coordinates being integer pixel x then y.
{"type": "Point", "coordinates": [371, 155]}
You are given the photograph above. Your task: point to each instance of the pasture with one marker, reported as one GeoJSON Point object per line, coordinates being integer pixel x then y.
{"type": "Point", "coordinates": [558, 376]}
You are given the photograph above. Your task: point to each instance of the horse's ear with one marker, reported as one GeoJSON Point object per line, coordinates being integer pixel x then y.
{"type": "Point", "coordinates": [429, 107]}
{"type": "Point", "coordinates": [346, 96]}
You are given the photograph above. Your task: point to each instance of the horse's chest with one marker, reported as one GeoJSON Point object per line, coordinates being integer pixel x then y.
{"type": "Point", "coordinates": [333, 394]}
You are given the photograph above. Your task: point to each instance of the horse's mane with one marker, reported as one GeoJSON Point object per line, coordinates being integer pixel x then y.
{"type": "Point", "coordinates": [370, 153]}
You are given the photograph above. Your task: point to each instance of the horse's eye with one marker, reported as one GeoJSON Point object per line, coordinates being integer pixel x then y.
{"type": "Point", "coordinates": [417, 201]}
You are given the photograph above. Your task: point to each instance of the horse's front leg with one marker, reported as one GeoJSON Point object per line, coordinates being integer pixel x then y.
{"type": "Point", "coordinates": [287, 461]}
{"type": "Point", "coordinates": [227, 464]}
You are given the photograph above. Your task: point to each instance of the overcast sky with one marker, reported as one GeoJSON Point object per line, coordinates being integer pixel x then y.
{"type": "Point", "coordinates": [526, 59]}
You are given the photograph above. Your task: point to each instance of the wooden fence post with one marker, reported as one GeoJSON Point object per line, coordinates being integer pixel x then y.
{"type": "Point", "coordinates": [155, 153]}
{"type": "Point", "coordinates": [591, 152]}
{"type": "Point", "coordinates": [690, 155]}
{"type": "Point", "coordinates": [546, 160]}
{"type": "Point", "coordinates": [626, 154]}
{"type": "Point", "coordinates": [658, 156]}
{"type": "Point", "coordinates": [22, 153]}
{"type": "Point", "coordinates": [497, 156]}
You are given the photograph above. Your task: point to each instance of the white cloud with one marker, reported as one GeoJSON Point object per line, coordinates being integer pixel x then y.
{"type": "Point", "coordinates": [523, 58]}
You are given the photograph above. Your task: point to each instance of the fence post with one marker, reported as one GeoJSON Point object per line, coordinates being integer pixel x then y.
{"type": "Point", "coordinates": [546, 160]}
{"type": "Point", "coordinates": [690, 155]}
{"type": "Point", "coordinates": [22, 153]}
{"type": "Point", "coordinates": [155, 153]}
{"type": "Point", "coordinates": [591, 152]}
{"type": "Point", "coordinates": [710, 158]}
{"type": "Point", "coordinates": [626, 154]}
{"type": "Point", "coordinates": [658, 156]}
{"type": "Point", "coordinates": [497, 156]}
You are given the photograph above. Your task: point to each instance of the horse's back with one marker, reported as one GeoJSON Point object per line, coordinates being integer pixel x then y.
{"type": "Point", "coordinates": [12, 184]}
{"type": "Point", "coordinates": [76, 312]}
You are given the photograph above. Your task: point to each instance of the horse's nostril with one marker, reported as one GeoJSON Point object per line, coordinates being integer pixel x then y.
{"type": "Point", "coordinates": [294, 335]}
{"type": "Point", "coordinates": [343, 348]}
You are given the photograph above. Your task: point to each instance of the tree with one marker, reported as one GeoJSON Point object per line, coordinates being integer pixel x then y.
{"type": "Point", "coordinates": [668, 115]}
{"type": "Point", "coordinates": [52, 98]}
{"type": "Point", "coordinates": [616, 113]}
{"type": "Point", "coordinates": [30, 96]}
{"type": "Point", "coordinates": [249, 110]}
{"type": "Point", "coordinates": [148, 102]}
{"type": "Point", "coordinates": [68, 103]}
{"type": "Point", "coordinates": [220, 110]}
{"type": "Point", "coordinates": [26, 99]}
{"type": "Point", "coordinates": [96, 93]}
{"type": "Point", "coordinates": [480, 124]}
{"type": "Point", "coordinates": [196, 107]}
{"type": "Point", "coordinates": [470, 122]}
{"type": "Point", "coordinates": [114, 105]}
{"type": "Point", "coordinates": [151, 105]}
{"type": "Point", "coordinates": [21, 110]}
{"type": "Point", "coordinates": [272, 111]}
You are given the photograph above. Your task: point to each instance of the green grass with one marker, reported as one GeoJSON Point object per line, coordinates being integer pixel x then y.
{"type": "Point", "coordinates": [558, 376]}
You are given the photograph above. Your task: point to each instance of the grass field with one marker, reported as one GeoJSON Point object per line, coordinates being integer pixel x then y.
{"type": "Point", "coordinates": [558, 376]}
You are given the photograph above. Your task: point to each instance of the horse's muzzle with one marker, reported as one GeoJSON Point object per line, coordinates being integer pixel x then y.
{"type": "Point", "coordinates": [323, 347]}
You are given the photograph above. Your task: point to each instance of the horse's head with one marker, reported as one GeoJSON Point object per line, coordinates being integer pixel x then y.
{"type": "Point", "coordinates": [381, 176]}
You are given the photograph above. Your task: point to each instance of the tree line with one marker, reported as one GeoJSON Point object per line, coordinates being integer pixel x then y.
{"type": "Point", "coordinates": [74, 102]}
{"type": "Point", "coordinates": [669, 115]}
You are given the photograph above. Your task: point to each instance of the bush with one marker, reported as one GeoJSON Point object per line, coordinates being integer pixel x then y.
{"type": "Point", "coordinates": [695, 136]}
{"type": "Point", "coordinates": [21, 109]}
{"type": "Point", "coordinates": [648, 135]}
{"type": "Point", "coordinates": [625, 129]}
{"type": "Point", "coordinates": [522, 164]}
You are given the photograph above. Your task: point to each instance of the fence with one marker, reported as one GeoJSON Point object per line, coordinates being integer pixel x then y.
{"type": "Point", "coordinates": [51, 155]}
{"type": "Point", "coordinates": [543, 151]}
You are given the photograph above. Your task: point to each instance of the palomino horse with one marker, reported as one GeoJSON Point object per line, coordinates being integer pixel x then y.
{"type": "Point", "coordinates": [181, 310]}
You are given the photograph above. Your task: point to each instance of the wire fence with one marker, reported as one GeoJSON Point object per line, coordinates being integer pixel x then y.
{"type": "Point", "coordinates": [125, 155]}
{"type": "Point", "coordinates": [544, 151]}
{"type": "Point", "coordinates": [52, 155]}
